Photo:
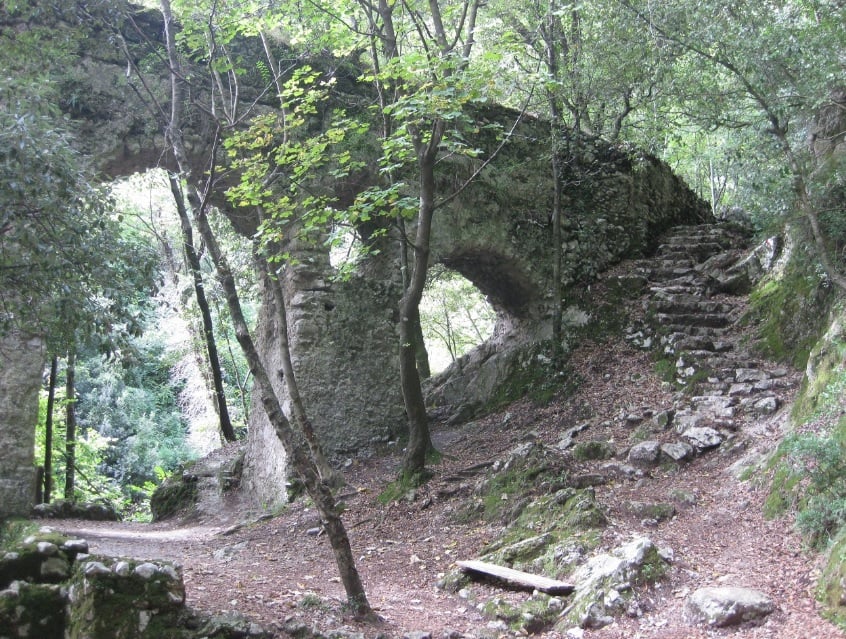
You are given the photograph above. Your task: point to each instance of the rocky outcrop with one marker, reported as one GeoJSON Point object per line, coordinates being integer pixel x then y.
{"type": "Point", "coordinates": [605, 583]}
{"type": "Point", "coordinates": [21, 364]}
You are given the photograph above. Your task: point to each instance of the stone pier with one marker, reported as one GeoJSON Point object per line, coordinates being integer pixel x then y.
{"type": "Point", "coordinates": [21, 365]}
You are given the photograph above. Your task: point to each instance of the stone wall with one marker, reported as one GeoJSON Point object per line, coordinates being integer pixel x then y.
{"type": "Point", "coordinates": [21, 365]}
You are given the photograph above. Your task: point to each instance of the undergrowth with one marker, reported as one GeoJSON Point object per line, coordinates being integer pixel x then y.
{"type": "Point", "coordinates": [810, 477]}
{"type": "Point", "coordinates": [14, 530]}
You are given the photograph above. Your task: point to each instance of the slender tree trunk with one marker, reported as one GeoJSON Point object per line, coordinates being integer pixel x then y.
{"type": "Point", "coordinates": [420, 352]}
{"type": "Point", "coordinates": [419, 437]}
{"type": "Point", "coordinates": [48, 429]}
{"type": "Point", "coordinates": [303, 463]}
{"type": "Point", "coordinates": [421, 355]}
{"type": "Point", "coordinates": [553, 38]}
{"type": "Point", "coordinates": [70, 426]}
{"type": "Point", "coordinates": [193, 260]}
{"type": "Point", "coordinates": [557, 249]}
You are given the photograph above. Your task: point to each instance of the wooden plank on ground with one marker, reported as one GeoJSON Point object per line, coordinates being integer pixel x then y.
{"type": "Point", "coordinates": [517, 578]}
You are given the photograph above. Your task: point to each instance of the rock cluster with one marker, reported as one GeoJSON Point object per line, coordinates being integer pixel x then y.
{"type": "Point", "coordinates": [67, 509]}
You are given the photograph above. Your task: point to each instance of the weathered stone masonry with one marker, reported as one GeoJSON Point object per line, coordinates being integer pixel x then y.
{"type": "Point", "coordinates": [21, 364]}
{"type": "Point", "coordinates": [497, 234]}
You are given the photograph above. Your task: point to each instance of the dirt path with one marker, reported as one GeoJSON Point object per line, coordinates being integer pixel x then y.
{"type": "Point", "coordinates": [277, 570]}
{"type": "Point", "coordinates": [280, 571]}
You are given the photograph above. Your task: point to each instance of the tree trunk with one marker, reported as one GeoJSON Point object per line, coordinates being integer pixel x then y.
{"type": "Point", "coordinates": [420, 352]}
{"type": "Point", "coordinates": [70, 426]}
{"type": "Point", "coordinates": [419, 438]}
{"type": "Point", "coordinates": [303, 464]}
{"type": "Point", "coordinates": [48, 430]}
{"type": "Point", "coordinates": [193, 260]}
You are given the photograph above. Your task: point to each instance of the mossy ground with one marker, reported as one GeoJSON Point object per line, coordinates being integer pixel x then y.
{"type": "Point", "coordinates": [832, 583]}
{"type": "Point", "coordinates": [785, 312]}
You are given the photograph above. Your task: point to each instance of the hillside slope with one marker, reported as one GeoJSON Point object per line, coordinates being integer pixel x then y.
{"type": "Point", "coordinates": [680, 487]}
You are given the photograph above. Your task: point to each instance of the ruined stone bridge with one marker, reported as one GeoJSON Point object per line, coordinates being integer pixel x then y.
{"type": "Point", "coordinates": [343, 333]}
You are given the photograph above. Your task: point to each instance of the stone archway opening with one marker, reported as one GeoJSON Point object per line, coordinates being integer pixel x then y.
{"type": "Point", "coordinates": [455, 316]}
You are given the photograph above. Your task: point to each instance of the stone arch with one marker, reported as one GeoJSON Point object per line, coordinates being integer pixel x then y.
{"type": "Point", "coordinates": [496, 232]}
{"type": "Point", "coordinates": [500, 278]}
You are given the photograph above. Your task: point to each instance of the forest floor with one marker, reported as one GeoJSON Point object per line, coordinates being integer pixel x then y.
{"type": "Point", "coordinates": [277, 569]}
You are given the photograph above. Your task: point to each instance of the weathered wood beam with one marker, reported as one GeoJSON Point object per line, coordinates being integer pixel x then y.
{"type": "Point", "coordinates": [516, 578]}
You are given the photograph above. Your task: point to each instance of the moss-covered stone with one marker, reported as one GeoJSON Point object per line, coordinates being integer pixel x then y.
{"type": "Point", "coordinates": [529, 616]}
{"type": "Point", "coordinates": [832, 583]}
{"type": "Point", "coordinates": [69, 509]}
{"type": "Point", "coordinates": [785, 309]}
{"type": "Point", "coordinates": [825, 378]}
{"type": "Point", "coordinates": [604, 584]}
{"type": "Point", "coordinates": [657, 511]}
{"type": "Point", "coordinates": [123, 599]}
{"type": "Point", "coordinates": [32, 610]}
{"type": "Point", "coordinates": [44, 557]}
{"type": "Point", "coordinates": [177, 493]}
{"type": "Point", "coordinates": [592, 450]}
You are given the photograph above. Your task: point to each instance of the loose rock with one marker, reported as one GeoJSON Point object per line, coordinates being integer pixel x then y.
{"type": "Point", "coordinates": [728, 605]}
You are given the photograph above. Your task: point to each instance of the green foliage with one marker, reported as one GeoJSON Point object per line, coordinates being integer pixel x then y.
{"type": "Point", "coordinates": [131, 433]}
{"type": "Point", "coordinates": [282, 157]}
{"type": "Point", "coordinates": [90, 452]}
{"type": "Point", "coordinates": [831, 588]}
{"type": "Point", "coordinates": [454, 317]}
{"type": "Point", "coordinates": [814, 472]}
{"type": "Point", "coordinates": [665, 369]}
{"type": "Point", "coordinates": [65, 266]}
{"type": "Point", "coordinates": [14, 531]}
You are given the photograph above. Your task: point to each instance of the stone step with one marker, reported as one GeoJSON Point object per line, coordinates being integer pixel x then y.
{"type": "Point", "coordinates": [690, 305]}
{"type": "Point", "coordinates": [677, 289]}
{"type": "Point", "coordinates": [679, 342]}
{"type": "Point", "coordinates": [694, 250]}
{"type": "Point", "coordinates": [708, 320]}
{"type": "Point", "coordinates": [697, 331]}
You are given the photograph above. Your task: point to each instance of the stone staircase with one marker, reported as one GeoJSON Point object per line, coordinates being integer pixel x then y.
{"type": "Point", "coordinates": [696, 287]}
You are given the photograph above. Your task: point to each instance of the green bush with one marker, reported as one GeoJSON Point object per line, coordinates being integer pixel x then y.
{"type": "Point", "coordinates": [821, 460]}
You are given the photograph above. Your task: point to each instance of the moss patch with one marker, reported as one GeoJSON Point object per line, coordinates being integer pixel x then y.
{"type": "Point", "coordinates": [592, 450]}
{"type": "Point", "coordinates": [33, 606]}
{"type": "Point", "coordinates": [832, 584]}
{"type": "Point", "coordinates": [176, 494]}
{"type": "Point", "coordinates": [530, 616]}
{"type": "Point", "coordinates": [786, 311]}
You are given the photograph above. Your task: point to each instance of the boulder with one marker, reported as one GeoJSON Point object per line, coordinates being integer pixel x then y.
{"type": "Point", "coordinates": [677, 451]}
{"type": "Point", "coordinates": [645, 453]}
{"type": "Point", "coordinates": [702, 437]}
{"type": "Point", "coordinates": [728, 605]}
